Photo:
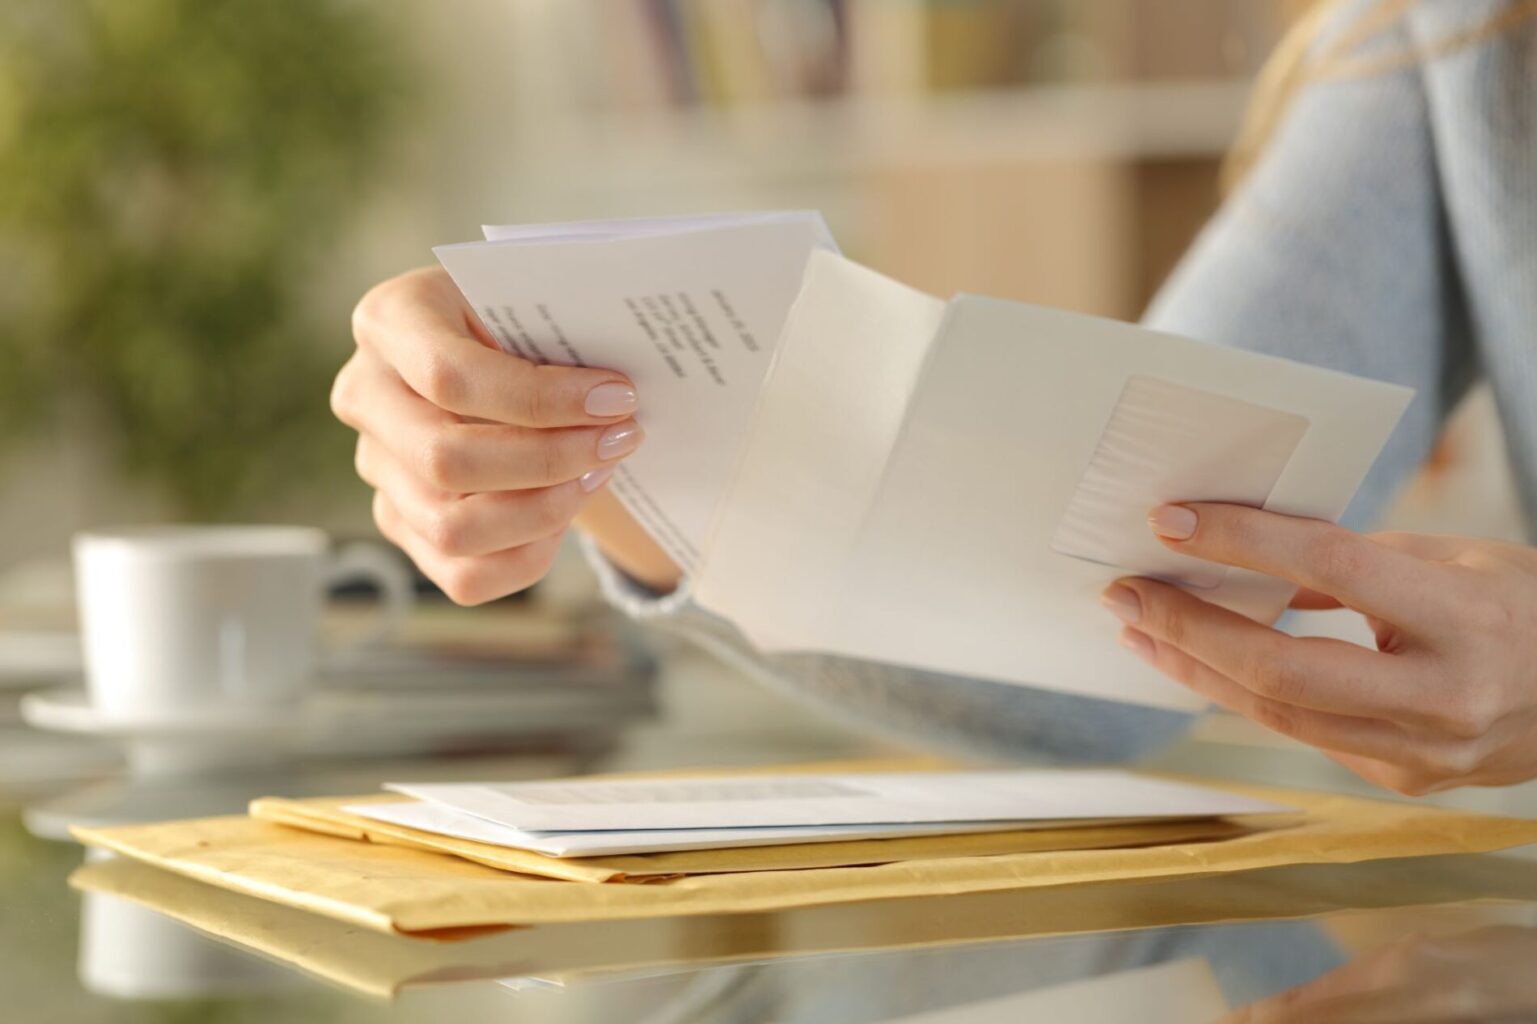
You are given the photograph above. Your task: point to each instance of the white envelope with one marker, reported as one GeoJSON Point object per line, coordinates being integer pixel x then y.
{"type": "Point", "coordinates": [951, 486]}
{"type": "Point", "coordinates": [441, 819]}
{"type": "Point", "coordinates": [763, 801]}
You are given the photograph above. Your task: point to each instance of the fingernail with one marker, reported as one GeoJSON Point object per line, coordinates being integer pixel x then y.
{"type": "Point", "coordinates": [1175, 522]}
{"type": "Point", "coordinates": [594, 478]}
{"type": "Point", "coordinates": [1124, 602]}
{"type": "Point", "coordinates": [1139, 644]}
{"type": "Point", "coordinates": [613, 399]}
{"type": "Point", "coordinates": [620, 439]}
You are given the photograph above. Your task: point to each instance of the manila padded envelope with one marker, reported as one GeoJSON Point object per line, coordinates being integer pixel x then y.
{"type": "Point", "coordinates": [383, 965]}
{"type": "Point", "coordinates": [325, 815]}
{"type": "Point", "coordinates": [396, 889]}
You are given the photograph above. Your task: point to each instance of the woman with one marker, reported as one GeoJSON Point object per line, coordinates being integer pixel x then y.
{"type": "Point", "coordinates": [1387, 227]}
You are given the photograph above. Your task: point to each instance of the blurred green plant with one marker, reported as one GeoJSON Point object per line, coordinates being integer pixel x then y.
{"type": "Point", "coordinates": [170, 173]}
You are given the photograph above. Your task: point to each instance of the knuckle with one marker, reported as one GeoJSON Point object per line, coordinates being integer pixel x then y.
{"type": "Point", "coordinates": [1279, 678]}
{"type": "Point", "coordinates": [365, 315]}
{"type": "Point", "coordinates": [524, 393]}
{"type": "Point", "coordinates": [1176, 630]}
{"type": "Point", "coordinates": [1488, 616]}
{"type": "Point", "coordinates": [444, 461]}
{"type": "Point", "coordinates": [1276, 717]}
{"type": "Point", "coordinates": [525, 575]}
{"type": "Point", "coordinates": [472, 581]}
{"type": "Point", "coordinates": [446, 529]}
{"type": "Point", "coordinates": [1485, 708]}
{"type": "Point", "coordinates": [441, 382]}
{"type": "Point", "coordinates": [1471, 717]}
{"type": "Point", "coordinates": [1163, 618]}
{"type": "Point", "coordinates": [464, 583]}
{"type": "Point", "coordinates": [344, 391]}
{"type": "Point", "coordinates": [551, 509]}
{"type": "Point", "coordinates": [534, 562]}
{"type": "Point", "coordinates": [1228, 529]}
{"type": "Point", "coordinates": [361, 461]}
{"type": "Point", "coordinates": [373, 311]}
{"type": "Point", "coordinates": [1444, 763]}
{"type": "Point", "coordinates": [1335, 556]}
{"type": "Point", "coordinates": [384, 518]}
{"type": "Point", "coordinates": [531, 385]}
{"type": "Point", "coordinates": [549, 461]}
{"type": "Point", "coordinates": [1460, 760]}
{"type": "Point", "coordinates": [1407, 782]}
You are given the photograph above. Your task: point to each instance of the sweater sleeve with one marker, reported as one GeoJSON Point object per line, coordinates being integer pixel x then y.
{"type": "Point", "coordinates": [1334, 253]}
{"type": "Point", "coordinates": [971, 718]}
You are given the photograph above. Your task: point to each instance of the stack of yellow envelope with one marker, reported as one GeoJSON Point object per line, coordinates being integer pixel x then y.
{"type": "Point", "coordinates": [384, 966]}
{"type": "Point", "coordinates": [327, 816]}
{"type": "Point", "coordinates": [314, 856]}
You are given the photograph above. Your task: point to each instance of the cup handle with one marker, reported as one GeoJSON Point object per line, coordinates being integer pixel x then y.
{"type": "Point", "coordinates": [370, 563]}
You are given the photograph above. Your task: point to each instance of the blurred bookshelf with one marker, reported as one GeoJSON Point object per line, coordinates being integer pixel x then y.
{"type": "Point", "coordinates": [635, 55]}
{"type": "Point", "coordinates": [1058, 151]}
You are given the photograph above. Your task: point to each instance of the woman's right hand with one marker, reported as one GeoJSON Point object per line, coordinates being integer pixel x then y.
{"type": "Point", "coordinates": [1481, 975]}
{"type": "Point", "coordinates": [479, 460]}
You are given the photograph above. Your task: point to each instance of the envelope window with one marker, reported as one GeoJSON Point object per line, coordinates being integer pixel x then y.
{"type": "Point", "coordinates": [1165, 442]}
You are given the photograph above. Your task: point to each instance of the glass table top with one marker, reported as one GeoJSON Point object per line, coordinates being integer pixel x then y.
{"type": "Point", "coordinates": [1425, 939]}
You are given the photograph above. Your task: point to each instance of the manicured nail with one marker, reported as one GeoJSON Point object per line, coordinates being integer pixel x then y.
{"type": "Point", "coordinates": [613, 399]}
{"type": "Point", "coordinates": [1175, 522]}
{"type": "Point", "coordinates": [620, 439]}
{"type": "Point", "coordinates": [1124, 602]}
{"type": "Point", "coordinates": [594, 478]}
{"type": "Point", "coordinates": [1139, 644]}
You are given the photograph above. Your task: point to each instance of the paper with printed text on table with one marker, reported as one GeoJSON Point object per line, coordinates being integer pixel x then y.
{"type": "Point", "coordinates": [887, 476]}
{"type": "Point", "coordinates": [444, 820]}
{"type": "Point", "coordinates": [875, 798]}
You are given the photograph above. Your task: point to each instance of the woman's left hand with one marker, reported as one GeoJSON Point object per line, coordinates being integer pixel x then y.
{"type": "Point", "coordinates": [1449, 698]}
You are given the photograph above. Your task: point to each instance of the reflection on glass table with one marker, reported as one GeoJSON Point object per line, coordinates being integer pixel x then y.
{"type": "Point", "coordinates": [131, 943]}
{"type": "Point", "coordinates": [1483, 974]}
{"type": "Point", "coordinates": [1176, 950]}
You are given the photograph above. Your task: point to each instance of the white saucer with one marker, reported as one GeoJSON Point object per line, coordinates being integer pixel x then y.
{"type": "Point", "coordinates": [70, 710]}
{"type": "Point", "coordinates": [331, 723]}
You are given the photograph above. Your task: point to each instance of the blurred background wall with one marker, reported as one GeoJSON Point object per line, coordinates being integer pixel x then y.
{"type": "Point", "coordinates": [193, 193]}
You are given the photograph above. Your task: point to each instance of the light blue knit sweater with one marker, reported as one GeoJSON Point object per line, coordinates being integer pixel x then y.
{"type": "Point", "coordinates": [1389, 230]}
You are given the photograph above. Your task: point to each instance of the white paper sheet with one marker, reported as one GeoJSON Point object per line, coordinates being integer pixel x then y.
{"type": "Point", "coordinates": [943, 559]}
{"type": "Point", "coordinates": [444, 820]}
{"type": "Point", "coordinates": [689, 308]}
{"type": "Point", "coordinates": [573, 805]}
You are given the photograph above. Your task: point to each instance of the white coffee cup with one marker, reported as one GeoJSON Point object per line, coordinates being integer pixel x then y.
{"type": "Point", "coordinates": [182, 621]}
